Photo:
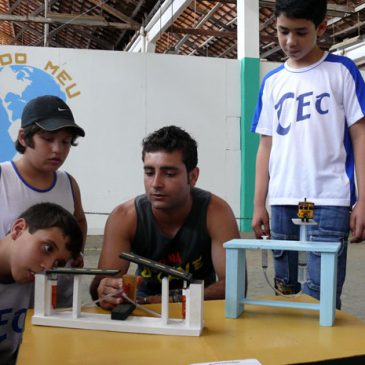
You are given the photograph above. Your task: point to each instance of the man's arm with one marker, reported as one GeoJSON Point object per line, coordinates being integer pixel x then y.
{"type": "Point", "coordinates": [260, 219]}
{"type": "Point", "coordinates": [357, 218]}
{"type": "Point", "coordinates": [118, 235]}
{"type": "Point", "coordinates": [222, 227]}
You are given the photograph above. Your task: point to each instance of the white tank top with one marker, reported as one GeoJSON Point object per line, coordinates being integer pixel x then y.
{"type": "Point", "coordinates": [16, 195]}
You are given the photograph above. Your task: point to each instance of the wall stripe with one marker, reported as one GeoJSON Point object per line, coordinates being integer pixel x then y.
{"type": "Point", "coordinates": [250, 84]}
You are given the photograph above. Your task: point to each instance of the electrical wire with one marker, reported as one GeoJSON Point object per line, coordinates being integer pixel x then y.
{"type": "Point", "coordinates": [264, 265]}
{"type": "Point", "coordinates": [110, 295]}
{"type": "Point", "coordinates": [278, 292]}
{"type": "Point", "coordinates": [139, 306]}
{"type": "Point", "coordinates": [94, 302]}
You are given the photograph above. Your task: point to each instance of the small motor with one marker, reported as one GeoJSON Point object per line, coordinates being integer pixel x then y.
{"type": "Point", "coordinates": [305, 210]}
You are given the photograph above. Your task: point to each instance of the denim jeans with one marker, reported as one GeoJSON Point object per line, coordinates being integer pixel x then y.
{"type": "Point", "coordinates": [332, 226]}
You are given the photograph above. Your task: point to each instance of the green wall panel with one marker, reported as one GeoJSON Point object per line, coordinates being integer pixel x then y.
{"type": "Point", "coordinates": [250, 84]}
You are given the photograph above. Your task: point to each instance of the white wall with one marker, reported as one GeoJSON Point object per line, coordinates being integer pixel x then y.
{"type": "Point", "coordinates": [266, 66]}
{"type": "Point", "coordinates": [124, 96]}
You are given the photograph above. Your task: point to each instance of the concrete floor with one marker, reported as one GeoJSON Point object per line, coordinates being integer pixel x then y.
{"type": "Point", "coordinates": [353, 297]}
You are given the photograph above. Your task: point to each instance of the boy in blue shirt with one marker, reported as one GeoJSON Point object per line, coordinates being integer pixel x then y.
{"type": "Point", "coordinates": [44, 236]}
{"type": "Point", "coordinates": [310, 115]}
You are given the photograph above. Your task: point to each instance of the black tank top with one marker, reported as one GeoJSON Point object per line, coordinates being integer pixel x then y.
{"type": "Point", "coordinates": [190, 249]}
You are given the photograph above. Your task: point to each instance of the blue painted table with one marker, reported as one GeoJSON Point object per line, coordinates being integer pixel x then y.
{"type": "Point", "coordinates": [236, 268]}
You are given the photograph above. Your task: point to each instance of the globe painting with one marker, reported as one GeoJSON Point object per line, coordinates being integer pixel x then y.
{"type": "Point", "coordinates": [18, 85]}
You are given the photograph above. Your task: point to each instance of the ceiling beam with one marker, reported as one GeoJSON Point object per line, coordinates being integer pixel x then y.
{"type": "Point", "coordinates": [135, 12]}
{"type": "Point", "coordinates": [203, 32]}
{"type": "Point", "coordinates": [228, 50]}
{"type": "Point", "coordinates": [34, 13]}
{"type": "Point", "coordinates": [14, 6]}
{"type": "Point", "coordinates": [348, 30]}
{"type": "Point", "coordinates": [69, 19]}
{"type": "Point", "coordinates": [9, 12]}
{"type": "Point", "coordinates": [162, 19]}
{"type": "Point", "coordinates": [270, 52]}
{"type": "Point", "coordinates": [211, 39]}
{"type": "Point", "coordinates": [200, 23]}
{"type": "Point", "coordinates": [116, 13]}
{"type": "Point", "coordinates": [267, 22]}
{"type": "Point", "coordinates": [193, 46]}
{"type": "Point", "coordinates": [92, 38]}
{"type": "Point", "coordinates": [39, 35]}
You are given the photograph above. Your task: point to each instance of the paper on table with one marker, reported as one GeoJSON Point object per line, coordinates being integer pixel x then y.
{"type": "Point", "coordinates": [231, 362]}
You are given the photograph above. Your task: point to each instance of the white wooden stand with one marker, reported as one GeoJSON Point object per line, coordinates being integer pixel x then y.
{"type": "Point", "coordinates": [192, 325]}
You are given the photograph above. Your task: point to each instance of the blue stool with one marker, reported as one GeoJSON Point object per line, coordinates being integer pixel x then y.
{"type": "Point", "coordinates": [236, 268]}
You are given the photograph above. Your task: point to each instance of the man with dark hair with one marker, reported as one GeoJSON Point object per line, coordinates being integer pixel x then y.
{"type": "Point", "coordinates": [173, 138]}
{"type": "Point", "coordinates": [174, 223]}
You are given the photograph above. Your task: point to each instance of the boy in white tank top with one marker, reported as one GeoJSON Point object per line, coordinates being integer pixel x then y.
{"type": "Point", "coordinates": [47, 132]}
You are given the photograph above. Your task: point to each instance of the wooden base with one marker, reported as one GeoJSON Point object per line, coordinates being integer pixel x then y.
{"type": "Point", "coordinates": [92, 321]}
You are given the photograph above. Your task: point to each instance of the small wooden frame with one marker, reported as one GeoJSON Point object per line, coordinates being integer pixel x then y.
{"type": "Point", "coordinates": [45, 315]}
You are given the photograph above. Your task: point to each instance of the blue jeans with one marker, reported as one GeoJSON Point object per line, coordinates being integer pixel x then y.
{"type": "Point", "coordinates": [332, 226]}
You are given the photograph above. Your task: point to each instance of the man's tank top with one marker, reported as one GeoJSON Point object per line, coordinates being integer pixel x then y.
{"type": "Point", "coordinates": [16, 195]}
{"type": "Point", "coordinates": [190, 249]}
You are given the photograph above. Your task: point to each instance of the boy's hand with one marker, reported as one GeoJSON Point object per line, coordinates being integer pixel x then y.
{"type": "Point", "coordinates": [108, 286]}
{"type": "Point", "coordinates": [357, 222]}
{"type": "Point", "coordinates": [260, 222]}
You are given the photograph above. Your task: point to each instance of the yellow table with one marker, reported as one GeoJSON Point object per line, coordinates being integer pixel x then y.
{"type": "Point", "coordinates": [271, 335]}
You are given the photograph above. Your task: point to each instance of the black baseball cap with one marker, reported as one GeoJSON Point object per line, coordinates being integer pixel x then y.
{"type": "Point", "coordinates": [50, 113]}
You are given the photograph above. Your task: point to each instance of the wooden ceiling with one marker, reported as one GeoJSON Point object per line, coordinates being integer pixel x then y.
{"type": "Point", "coordinates": [186, 27]}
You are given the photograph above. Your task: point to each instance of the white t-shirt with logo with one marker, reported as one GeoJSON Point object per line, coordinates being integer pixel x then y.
{"type": "Point", "coordinates": [308, 113]}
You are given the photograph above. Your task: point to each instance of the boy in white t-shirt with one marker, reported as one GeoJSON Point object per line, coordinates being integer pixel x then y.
{"type": "Point", "coordinates": [310, 115]}
{"type": "Point", "coordinates": [44, 236]}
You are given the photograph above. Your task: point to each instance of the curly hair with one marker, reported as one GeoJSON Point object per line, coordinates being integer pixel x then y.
{"type": "Point", "coordinates": [172, 138]}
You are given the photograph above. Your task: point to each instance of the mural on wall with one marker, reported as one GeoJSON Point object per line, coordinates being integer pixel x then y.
{"type": "Point", "coordinates": [119, 97]}
{"type": "Point", "coordinates": [19, 83]}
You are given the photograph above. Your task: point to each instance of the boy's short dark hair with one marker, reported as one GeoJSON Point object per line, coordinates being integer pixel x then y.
{"type": "Point", "coordinates": [33, 129]}
{"type": "Point", "coordinates": [313, 10]}
{"type": "Point", "coordinates": [172, 138]}
{"type": "Point", "coordinates": [49, 215]}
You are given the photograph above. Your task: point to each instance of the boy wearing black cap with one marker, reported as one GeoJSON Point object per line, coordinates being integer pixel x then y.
{"type": "Point", "coordinates": [48, 130]}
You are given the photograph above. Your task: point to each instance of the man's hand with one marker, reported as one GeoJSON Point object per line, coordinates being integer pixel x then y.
{"type": "Point", "coordinates": [149, 299]}
{"type": "Point", "coordinates": [113, 289]}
